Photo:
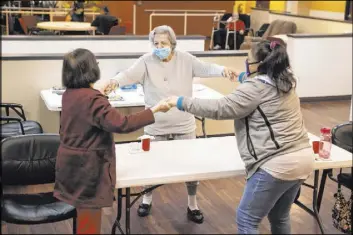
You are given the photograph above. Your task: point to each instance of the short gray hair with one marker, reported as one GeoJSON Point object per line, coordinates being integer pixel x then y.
{"type": "Point", "coordinates": [164, 29]}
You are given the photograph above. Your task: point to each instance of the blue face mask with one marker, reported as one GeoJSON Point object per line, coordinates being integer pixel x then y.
{"type": "Point", "coordinates": [162, 53]}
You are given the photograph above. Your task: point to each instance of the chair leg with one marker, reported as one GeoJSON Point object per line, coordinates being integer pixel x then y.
{"type": "Point", "coordinates": [74, 225]}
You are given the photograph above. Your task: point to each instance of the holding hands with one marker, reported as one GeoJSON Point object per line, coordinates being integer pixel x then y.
{"type": "Point", "coordinates": [230, 74]}
{"type": "Point", "coordinates": [165, 105]}
{"type": "Point", "coordinates": [105, 86]}
{"type": "Point", "coordinates": [162, 106]}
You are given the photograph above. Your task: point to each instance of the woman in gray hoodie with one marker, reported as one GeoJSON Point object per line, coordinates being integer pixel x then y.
{"type": "Point", "coordinates": [270, 133]}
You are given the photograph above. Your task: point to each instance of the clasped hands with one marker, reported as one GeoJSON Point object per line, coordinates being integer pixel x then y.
{"type": "Point", "coordinates": [165, 104]}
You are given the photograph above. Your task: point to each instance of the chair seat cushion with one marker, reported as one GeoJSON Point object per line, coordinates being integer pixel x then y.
{"type": "Point", "coordinates": [345, 179]}
{"type": "Point", "coordinates": [34, 209]}
{"type": "Point", "coordinates": [13, 128]}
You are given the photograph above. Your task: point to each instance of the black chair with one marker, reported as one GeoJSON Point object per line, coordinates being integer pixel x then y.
{"type": "Point", "coordinates": [262, 30]}
{"type": "Point", "coordinates": [342, 137]}
{"type": "Point", "coordinates": [12, 126]}
{"type": "Point", "coordinates": [104, 23]}
{"type": "Point", "coordinates": [30, 160]}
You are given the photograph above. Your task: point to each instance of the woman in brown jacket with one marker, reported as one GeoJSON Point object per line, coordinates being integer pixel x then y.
{"type": "Point", "coordinates": [85, 166]}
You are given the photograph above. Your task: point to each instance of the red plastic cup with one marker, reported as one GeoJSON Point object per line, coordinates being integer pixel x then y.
{"type": "Point", "coordinates": [146, 144]}
{"type": "Point", "coordinates": [316, 146]}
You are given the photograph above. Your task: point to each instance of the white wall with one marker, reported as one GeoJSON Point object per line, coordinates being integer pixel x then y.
{"type": "Point", "coordinates": [96, 46]}
{"type": "Point", "coordinates": [323, 65]}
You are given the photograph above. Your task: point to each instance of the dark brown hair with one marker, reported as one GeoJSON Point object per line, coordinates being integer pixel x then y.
{"type": "Point", "coordinates": [274, 62]}
{"type": "Point", "coordinates": [80, 69]}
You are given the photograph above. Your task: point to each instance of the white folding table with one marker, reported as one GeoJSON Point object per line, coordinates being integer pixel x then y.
{"type": "Point", "coordinates": [193, 160]}
{"type": "Point", "coordinates": [132, 98]}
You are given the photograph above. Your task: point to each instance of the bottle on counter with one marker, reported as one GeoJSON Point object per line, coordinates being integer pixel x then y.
{"type": "Point", "coordinates": [325, 143]}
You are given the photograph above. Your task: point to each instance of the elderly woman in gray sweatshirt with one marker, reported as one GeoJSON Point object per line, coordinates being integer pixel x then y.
{"type": "Point", "coordinates": [270, 133]}
{"type": "Point", "coordinates": [163, 73]}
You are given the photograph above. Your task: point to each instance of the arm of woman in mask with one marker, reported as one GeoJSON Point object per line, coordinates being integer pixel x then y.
{"type": "Point", "coordinates": [239, 104]}
{"type": "Point", "coordinates": [203, 69]}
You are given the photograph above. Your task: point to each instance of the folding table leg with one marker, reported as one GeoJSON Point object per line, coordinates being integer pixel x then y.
{"type": "Point", "coordinates": [203, 120]}
{"type": "Point", "coordinates": [322, 188]}
{"type": "Point", "coordinates": [316, 212]}
{"type": "Point", "coordinates": [127, 210]}
{"type": "Point", "coordinates": [119, 210]}
{"type": "Point", "coordinates": [128, 206]}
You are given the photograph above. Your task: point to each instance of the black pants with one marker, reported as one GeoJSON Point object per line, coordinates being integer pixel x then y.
{"type": "Point", "coordinates": [219, 38]}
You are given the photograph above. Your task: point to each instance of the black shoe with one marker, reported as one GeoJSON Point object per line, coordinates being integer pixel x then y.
{"type": "Point", "coordinates": [144, 209]}
{"type": "Point", "coordinates": [195, 216]}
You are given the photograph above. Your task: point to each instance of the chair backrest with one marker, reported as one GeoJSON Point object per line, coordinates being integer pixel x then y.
{"type": "Point", "coordinates": [117, 30]}
{"type": "Point", "coordinates": [29, 159]}
{"type": "Point", "coordinates": [105, 23]}
{"type": "Point", "coordinates": [128, 27]}
{"type": "Point", "coordinates": [280, 27]}
{"type": "Point", "coordinates": [342, 136]}
{"type": "Point", "coordinates": [30, 21]}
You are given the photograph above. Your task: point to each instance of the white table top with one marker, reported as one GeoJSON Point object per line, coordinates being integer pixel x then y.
{"type": "Point", "coordinates": [66, 26]}
{"type": "Point", "coordinates": [190, 160]}
{"type": "Point", "coordinates": [131, 98]}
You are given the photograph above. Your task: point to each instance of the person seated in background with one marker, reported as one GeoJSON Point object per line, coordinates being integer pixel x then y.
{"type": "Point", "coordinates": [77, 13]}
{"type": "Point", "coordinates": [85, 166]}
{"type": "Point", "coordinates": [104, 22]}
{"type": "Point", "coordinates": [219, 36]}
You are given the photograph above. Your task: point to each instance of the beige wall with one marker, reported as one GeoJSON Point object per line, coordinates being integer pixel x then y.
{"type": "Point", "coordinates": [314, 26]}
{"type": "Point", "coordinates": [23, 80]}
{"type": "Point", "coordinates": [258, 18]}
{"type": "Point", "coordinates": [304, 25]}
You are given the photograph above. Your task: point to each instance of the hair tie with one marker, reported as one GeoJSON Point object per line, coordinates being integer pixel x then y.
{"type": "Point", "coordinates": [273, 45]}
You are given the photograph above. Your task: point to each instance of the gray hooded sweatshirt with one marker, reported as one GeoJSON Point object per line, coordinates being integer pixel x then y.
{"type": "Point", "coordinates": [267, 123]}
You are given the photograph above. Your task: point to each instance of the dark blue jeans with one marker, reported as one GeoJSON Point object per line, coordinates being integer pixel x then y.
{"type": "Point", "coordinates": [263, 196]}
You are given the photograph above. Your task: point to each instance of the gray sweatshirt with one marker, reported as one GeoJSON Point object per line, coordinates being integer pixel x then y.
{"type": "Point", "coordinates": [164, 79]}
{"type": "Point", "coordinates": [267, 124]}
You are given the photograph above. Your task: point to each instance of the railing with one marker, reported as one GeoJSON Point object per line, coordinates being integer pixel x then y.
{"type": "Point", "coordinates": [42, 8]}
{"type": "Point", "coordinates": [40, 11]}
{"type": "Point", "coordinates": [184, 13]}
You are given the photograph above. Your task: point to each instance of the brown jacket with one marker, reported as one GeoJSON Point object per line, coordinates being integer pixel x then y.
{"type": "Point", "coordinates": [85, 166]}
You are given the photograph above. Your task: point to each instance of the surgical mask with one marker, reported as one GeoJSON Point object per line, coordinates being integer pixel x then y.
{"type": "Point", "coordinates": [162, 53]}
{"type": "Point", "coordinates": [248, 73]}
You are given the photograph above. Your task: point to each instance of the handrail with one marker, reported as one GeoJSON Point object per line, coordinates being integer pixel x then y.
{"type": "Point", "coordinates": [216, 13]}
{"type": "Point", "coordinates": [41, 8]}
{"type": "Point", "coordinates": [173, 10]}
{"type": "Point", "coordinates": [50, 13]}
